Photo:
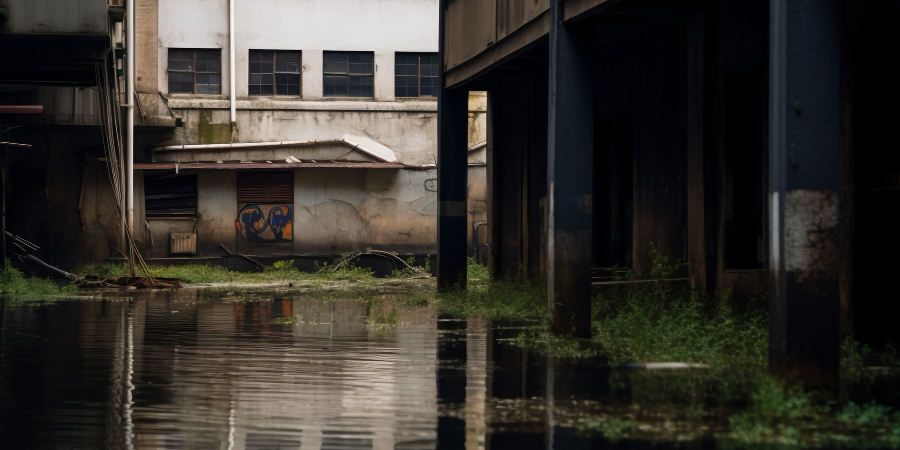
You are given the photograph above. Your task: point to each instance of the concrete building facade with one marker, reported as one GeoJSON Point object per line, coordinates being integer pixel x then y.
{"type": "Point", "coordinates": [317, 136]}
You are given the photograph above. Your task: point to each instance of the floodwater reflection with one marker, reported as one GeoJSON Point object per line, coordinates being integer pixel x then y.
{"type": "Point", "coordinates": [203, 369]}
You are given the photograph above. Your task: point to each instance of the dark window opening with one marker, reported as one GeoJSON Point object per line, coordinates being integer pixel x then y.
{"type": "Point", "coordinates": [170, 195]}
{"type": "Point", "coordinates": [416, 75]}
{"type": "Point", "coordinates": [745, 148]}
{"type": "Point", "coordinates": [274, 72]}
{"type": "Point", "coordinates": [265, 187]}
{"type": "Point", "coordinates": [349, 74]}
{"type": "Point", "coordinates": [195, 71]}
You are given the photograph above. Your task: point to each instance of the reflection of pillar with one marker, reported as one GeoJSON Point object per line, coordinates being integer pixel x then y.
{"type": "Point", "coordinates": [804, 174]}
{"type": "Point", "coordinates": [569, 179]}
{"type": "Point", "coordinates": [477, 343]}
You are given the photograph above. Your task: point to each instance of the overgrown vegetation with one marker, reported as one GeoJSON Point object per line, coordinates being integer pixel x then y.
{"type": "Point", "coordinates": [341, 270]}
{"type": "Point", "coordinates": [16, 285]}
{"type": "Point", "coordinates": [667, 322]}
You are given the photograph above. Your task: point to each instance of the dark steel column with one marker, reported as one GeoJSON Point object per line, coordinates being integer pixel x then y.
{"type": "Point", "coordinates": [805, 127]}
{"type": "Point", "coordinates": [452, 179]}
{"type": "Point", "coordinates": [569, 179]}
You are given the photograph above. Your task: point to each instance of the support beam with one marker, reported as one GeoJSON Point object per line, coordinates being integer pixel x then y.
{"type": "Point", "coordinates": [569, 179]}
{"type": "Point", "coordinates": [804, 198]}
{"type": "Point", "coordinates": [453, 124]}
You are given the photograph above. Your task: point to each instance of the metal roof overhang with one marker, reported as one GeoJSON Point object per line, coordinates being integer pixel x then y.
{"type": "Point", "coordinates": [265, 165]}
{"type": "Point", "coordinates": [51, 59]}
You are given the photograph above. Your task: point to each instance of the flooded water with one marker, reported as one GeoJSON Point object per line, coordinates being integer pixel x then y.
{"type": "Point", "coordinates": [204, 370]}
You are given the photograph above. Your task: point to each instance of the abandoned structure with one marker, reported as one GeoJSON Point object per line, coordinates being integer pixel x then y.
{"type": "Point", "coordinates": [736, 136]}
{"type": "Point", "coordinates": [272, 132]}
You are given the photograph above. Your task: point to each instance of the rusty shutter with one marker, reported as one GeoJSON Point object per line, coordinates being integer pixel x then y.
{"type": "Point", "coordinates": [265, 187]}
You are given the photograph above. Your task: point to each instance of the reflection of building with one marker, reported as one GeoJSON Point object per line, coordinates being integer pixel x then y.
{"type": "Point", "coordinates": [738, 136]}
{"type": "Point", "coordinates": [245, 381]}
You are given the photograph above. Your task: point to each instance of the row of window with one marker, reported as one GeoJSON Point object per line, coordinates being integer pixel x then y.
{"type": "Point", "coordinates": [277, 72]}
{"type": "Point", "coordinates": [165, 195]}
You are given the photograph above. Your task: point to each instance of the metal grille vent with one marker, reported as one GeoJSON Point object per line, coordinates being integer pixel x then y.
{"type": "Point", "coordinates": [183, 243]}
{"type": "Point", "coordinates": [265, 187]}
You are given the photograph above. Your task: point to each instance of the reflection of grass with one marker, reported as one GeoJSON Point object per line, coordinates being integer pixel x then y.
{"type": "Point", "coordinates": [283, 321]}
{"type": "Point", "coordinates": [660, 322]}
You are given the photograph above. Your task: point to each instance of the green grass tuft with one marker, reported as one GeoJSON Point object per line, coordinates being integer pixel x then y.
{"type": "Point", "coordinates": [16, 285]}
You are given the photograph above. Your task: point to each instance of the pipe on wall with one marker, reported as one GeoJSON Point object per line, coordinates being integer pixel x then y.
{"type": "Point", "coordinates": [231, 61]}
{"type": "Point", "coordinates": [129, 146]}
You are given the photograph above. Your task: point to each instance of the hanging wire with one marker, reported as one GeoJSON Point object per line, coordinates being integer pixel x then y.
{"type": "Point", "coordinates": [112, 125]}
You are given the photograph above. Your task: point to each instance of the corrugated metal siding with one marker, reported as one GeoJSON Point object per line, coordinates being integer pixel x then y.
{"type": "Point", "coordinates": [265, 187]}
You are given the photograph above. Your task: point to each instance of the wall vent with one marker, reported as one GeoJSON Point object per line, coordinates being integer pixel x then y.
{"type": "Point", "coordinates": [182, 243]}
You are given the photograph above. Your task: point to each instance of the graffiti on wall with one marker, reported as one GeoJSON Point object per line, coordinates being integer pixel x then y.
{"type": "Point", "coordinates": [264, 224]}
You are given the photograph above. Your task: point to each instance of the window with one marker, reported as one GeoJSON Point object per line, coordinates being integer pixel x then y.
{"type": "Point", "coordinates": [168, 195]}
{"type": "Point", "coordinates": [265, 187]}
{"type": "Point", "coordinates": [195, 71]}
{"type": "Point", "coordinates": [348, 74]}
{"type": "Point", "coordinates": [274, 72]}
{"type": "Point", "coordinates": [416, 75]}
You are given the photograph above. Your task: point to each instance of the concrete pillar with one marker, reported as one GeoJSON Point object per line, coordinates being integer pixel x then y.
{"type": "Point", "coordinates": [569, 179]}
{"type": "Point", "coordinates": [453, 133]}
{"type": "Point", "coordinates": [805, 139]}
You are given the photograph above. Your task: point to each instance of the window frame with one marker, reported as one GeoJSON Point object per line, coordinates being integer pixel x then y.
{"type": "Point", "coordinates": [193, 71]}
{"type": "Point", "coordinates": [274, 73]}
{"type": "Point", "coordinates": [348, 74]}
{"type": "Point", "coordinates": [418, 74]}
{"type": "Point", "coordinates": [153, 188]}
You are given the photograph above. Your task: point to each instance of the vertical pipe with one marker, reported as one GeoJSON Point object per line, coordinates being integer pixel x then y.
{"type": "Point", "coordinates": [129, 127]}
{"type": "Point", "coordinates": [231, 61]}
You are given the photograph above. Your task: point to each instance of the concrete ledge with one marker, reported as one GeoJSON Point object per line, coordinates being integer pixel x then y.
{"type": "Point", "coordinates": [424, 106]}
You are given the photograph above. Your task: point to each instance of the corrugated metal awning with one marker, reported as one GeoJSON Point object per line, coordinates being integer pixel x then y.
{"type": "Point", "coordinates": [269, 166]}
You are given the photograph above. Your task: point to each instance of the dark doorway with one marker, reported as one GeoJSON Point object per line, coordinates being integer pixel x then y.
{"type": "Point", "coordinates": [614, 190]}
{"type": "Point", "coordinates": [745, 148]}
{"type": "Point", "coordinates": [877, 175]}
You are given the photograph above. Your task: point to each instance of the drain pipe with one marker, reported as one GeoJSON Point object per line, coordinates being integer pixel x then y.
{"type": "Point", "coordinates": [129, 146]}
{"type": "Point", "coordinates": [231, 62]}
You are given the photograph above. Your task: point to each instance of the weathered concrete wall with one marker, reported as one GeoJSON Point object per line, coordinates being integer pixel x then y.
{"type": "Point", "coordinates": [339, 210]}
{"type": "Point", "coordinates": [334, 211]}
{"type": "Point", "coordinates": [310, 27]}
{"type": "Point", "coordinates": [54, 17]}
{"type": "Point", "coordinates": [411, 135]}
{"type": "Point", "coordinates": [477, 173]}
{"type": "Point", "coordinates": [61, 197]}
